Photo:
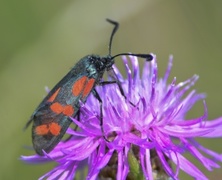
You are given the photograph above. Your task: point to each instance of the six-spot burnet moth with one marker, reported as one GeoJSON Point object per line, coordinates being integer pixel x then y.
{"type": "Point", "coordinates": [52, 117]}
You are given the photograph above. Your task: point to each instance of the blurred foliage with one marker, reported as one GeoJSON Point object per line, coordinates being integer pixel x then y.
{"type": "Point", "coordinates": [41, 40]}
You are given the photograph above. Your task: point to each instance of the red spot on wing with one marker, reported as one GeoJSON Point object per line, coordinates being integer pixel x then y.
{"type": "Point", "coordinates": [42, 130]}
{"type": "Point", "coordinates": [56, 108]}
{"type": "Point", "coordinates": [78, 86]}
{"type": "Point", "coordinates": [68, 110]}
{"type": "Point", "coordinates": [88, 87]}
{"type": "Point", "coordinates": [54, 128]}
{"type": "Point", "coordinates": [52, 98]}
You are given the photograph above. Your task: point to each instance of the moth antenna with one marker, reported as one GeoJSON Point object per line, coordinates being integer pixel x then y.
{"type": "Point", "coordinates": [148, 57]}
{"type": "Point", "coordinates": [116, 26]}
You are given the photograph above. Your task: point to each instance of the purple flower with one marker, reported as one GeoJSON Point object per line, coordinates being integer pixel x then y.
{"type": "Point", "coordinates": [155, 127]}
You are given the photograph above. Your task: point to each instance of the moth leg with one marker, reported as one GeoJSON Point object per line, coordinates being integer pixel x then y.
{"type": "Point", "coordinates": [113, 75]}
{"type": "Point", "coordinates": [96, 95]}
{"type": "Point", "coordinates": [103, 83]}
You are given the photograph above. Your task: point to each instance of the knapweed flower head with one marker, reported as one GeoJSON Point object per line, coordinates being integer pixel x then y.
{"type": "Point", "coordinates": [144, 134]}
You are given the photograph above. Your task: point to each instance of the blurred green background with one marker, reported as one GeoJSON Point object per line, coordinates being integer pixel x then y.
{"type": "Point", "coordinates": [41, 40]}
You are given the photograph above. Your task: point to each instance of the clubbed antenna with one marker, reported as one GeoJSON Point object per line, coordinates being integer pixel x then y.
{"type": "Point", "coordinates": [148, 57]}
{"type": "Point", "coordinates": [116, 26]}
